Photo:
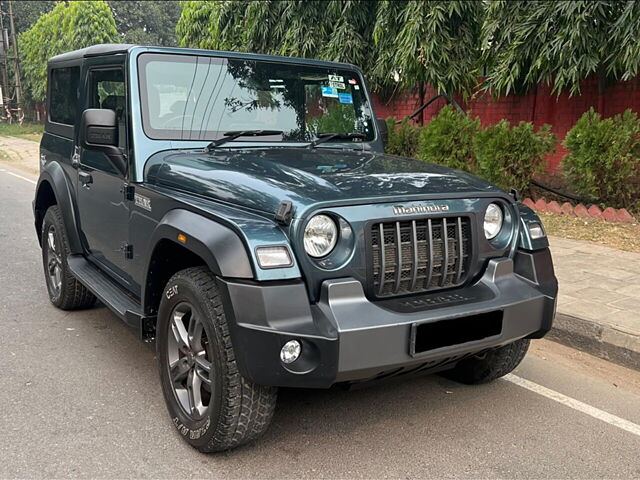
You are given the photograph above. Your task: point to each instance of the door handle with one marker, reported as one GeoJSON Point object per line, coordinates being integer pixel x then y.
{"type": "Point", "coordinates": [85, 178]}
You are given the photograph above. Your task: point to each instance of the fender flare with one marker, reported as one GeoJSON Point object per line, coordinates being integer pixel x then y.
{"type": "Point", "coordinates": [219, 246]}
{"type": "Point", "coordinates": [55, 176]}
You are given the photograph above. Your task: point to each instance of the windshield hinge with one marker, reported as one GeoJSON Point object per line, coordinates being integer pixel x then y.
{"type": "Point", "coordinates": [129, 192]}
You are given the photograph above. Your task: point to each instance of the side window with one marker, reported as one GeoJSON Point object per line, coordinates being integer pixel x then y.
{"type": "Point", "coordinates": [107, 90]}
{"type": "Point", "coordinates": [63, 95]}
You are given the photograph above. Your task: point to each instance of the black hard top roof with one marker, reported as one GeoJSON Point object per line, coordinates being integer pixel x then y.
{"type": "Point", "coordinates": [114, 48]}
{"type": "Point", "coordinates": [94, 50]}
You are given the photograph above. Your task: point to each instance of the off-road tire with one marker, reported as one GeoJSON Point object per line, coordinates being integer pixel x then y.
{"type": "Point", "coordinates": [238, 411]}
{"type": "Point", "coordinates": [494, 364]}
{"type": "Point", "coordinates": [71, 294]}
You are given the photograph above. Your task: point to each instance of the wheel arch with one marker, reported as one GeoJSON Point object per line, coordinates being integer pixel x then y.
{"type": "Point", "coordinates": [184, 239]}
{"type": "Point", "coordinates": [54, 189]}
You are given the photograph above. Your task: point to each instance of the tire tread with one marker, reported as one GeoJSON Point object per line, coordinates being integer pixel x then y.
{"type": "Point", "coordinates": [74, 295]}
{"type": "Point", "coordinates": [247, 408]}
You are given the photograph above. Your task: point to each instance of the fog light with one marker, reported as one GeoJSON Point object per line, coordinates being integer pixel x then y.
{"type": "Point", "coordinates": [290, 351]}
{"type": "Point", "coordinates": [273, 257]}
{"type": "Point", "coordinates": [536, 231]}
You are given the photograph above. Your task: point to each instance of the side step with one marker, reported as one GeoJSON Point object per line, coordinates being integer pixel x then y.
{"type": "Point", "coordinates": [111, 295]}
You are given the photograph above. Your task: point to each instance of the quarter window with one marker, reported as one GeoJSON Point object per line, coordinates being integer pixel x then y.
{"type": "Point", "coordinates": [63, 95]}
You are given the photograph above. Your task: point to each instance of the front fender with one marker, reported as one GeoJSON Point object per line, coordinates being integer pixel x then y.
{"type": "Point", "coordinates": [56, 178]}
{"type": "Point", "coordinates": [219, 246]}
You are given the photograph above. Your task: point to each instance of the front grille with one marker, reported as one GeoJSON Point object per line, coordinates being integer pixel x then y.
{"type": "Point", "coordinates": [419, 255]}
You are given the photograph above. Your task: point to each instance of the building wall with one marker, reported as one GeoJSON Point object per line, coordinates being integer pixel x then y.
{"type": "Point", "coordinates": [539, 106]}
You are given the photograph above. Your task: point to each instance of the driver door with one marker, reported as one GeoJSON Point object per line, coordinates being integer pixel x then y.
{"type": "Point", "coordinates": [104, 210]}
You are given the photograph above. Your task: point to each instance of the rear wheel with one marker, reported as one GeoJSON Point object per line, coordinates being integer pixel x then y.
{"type": "Point", "coordinates": [213, 407]}
{"type": "Point", "coordinates": [493, 364]}
{"type": "Point", "coordinates": [65, 291]}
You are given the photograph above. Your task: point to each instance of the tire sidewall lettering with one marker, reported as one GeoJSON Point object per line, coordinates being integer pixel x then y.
{"type": "Point", "coordinates": [191, 433]}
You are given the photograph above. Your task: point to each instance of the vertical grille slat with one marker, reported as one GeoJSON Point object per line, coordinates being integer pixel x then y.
{"type": "Point", "coordinates": [427, 284]}
{"type": "Point", "coordinates": [421, 255]}
{"type": "Point", "coordinates": [396, 288]}
{"type": "Point", "coordinates": [414, 266]}
{"type": "Point", "coordinates": [382, 261]}
{"type": "Point", "coordinates": [460, 251]}
{"type": "Point", "coordinates": [445, 256]}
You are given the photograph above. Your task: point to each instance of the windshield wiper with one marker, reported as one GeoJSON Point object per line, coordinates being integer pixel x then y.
{"type": "Point", "coordinates": [229, 136]}
{"type": "Point", "coordinates": [325, 137]}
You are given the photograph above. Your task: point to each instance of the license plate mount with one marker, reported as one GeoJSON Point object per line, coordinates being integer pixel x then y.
{"type": "Point", "coordinates": [428, 336]}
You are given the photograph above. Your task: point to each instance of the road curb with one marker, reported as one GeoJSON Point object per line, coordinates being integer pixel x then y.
{"type": "Point", "coordinates": [597, 339]}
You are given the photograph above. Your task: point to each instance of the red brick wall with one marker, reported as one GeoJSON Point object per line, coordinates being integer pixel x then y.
{"type": "Point", "coordinates": [539, 107]}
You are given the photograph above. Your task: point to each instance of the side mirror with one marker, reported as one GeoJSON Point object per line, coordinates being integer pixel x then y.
{"type": "Point", "coordinates": [99, 132]}
{"type": "Point", "coordinates": [383, 129]}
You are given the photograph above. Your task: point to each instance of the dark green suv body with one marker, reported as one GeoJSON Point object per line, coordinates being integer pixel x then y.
{"type": "Point", "coordinates": [240, 211]}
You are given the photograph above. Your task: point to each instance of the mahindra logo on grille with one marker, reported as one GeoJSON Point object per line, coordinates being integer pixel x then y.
{"type": "Point", "coordinates": [426, 208]}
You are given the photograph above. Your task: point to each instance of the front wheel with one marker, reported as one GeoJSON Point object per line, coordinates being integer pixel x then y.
{"type": "Point", "coordinates": [490, 366]}
{"type": "Point", "coordinates": [213, 407]}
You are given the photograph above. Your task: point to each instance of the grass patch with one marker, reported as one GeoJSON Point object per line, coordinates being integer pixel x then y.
{"type": "Point", "coordinates": [28, 131]}
{"type": "Point", "coordinates": [623, 236]}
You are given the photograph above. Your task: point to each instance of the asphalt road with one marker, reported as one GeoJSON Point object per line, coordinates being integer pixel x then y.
{"type": "Point", "coordinates": [80, 397]}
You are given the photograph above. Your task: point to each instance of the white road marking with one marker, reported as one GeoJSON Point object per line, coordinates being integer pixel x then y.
{"type": "Point", "coordinates": [18, 176]}
{"type": "Point", "coordinates": [575, 404]}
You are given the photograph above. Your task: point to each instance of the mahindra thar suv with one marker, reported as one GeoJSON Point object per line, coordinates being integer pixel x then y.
{"type": "Point", "coordinates": [239, 211]}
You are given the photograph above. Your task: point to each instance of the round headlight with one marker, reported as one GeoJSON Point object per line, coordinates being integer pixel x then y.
{"type": "Point", "coordinates": [492, 221]}
{"type": "Point", "coordinates": [320, 236]}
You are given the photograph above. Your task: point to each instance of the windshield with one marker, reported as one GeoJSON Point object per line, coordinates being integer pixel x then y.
{"type": "Point", "coordinates": [187, 97]}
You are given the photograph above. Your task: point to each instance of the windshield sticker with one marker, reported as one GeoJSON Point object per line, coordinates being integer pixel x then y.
{"type": "Point", "coordinates": [336, 78]}
{"type": "Point", "coordinates": [352, 81]}
{"type": "Point", "coordinates": [329, 92]}
{"type": "Point", "coordinates": [345, 98]}
{"type": "Point", "coordinates": [338, 85]}
{"type": "Point", "coordinates": [356, 87]}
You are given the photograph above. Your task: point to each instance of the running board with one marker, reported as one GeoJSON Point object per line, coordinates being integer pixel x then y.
{"type": "Point", "coordinates": [111, 295]}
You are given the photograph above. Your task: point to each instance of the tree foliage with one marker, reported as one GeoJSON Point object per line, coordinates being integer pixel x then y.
{"type": "Point", "coordinates": [26, 14]}
{"type": "Point", "coordinates": [430, 42]}
{"type": "Point", "coordinates": [416, 41]}
{"type": "Point", "coordinates": [559, 43]}
{"type": "Point", "coordinates": [146, 23]}
{"type": "Point", "coordinates": [66, 27]}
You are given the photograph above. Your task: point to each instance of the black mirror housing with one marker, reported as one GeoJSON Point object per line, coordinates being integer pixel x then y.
{"type": "Point", "coordinates": [383, 129]}
{"type": "Point", "coordinates": [99, 132]}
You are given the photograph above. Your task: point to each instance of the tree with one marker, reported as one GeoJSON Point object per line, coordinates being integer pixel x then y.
{"type": "Point", "coordinates": [146, 23]}
{"type": "Point", "coordinates": [429, 42]}
{"type": "Point", "coordinates": [434, 42]}
{"type": "Point", "coordinates": [559, 43]}
{"type": "Point", "coordinates": [26, 14]}
{"type": "Point", "coordinates": [67, 27]}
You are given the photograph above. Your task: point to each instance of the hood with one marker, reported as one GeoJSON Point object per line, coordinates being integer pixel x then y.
{"type": "Point", "coordinates": [261, 178]}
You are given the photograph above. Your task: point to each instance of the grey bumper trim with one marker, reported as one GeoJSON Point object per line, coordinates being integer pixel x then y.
{"type": "Point", "coordinates": [373, 339]}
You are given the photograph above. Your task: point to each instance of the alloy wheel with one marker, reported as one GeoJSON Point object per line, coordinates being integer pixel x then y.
{"type": "Point", "coordinates": [53, 262]}
{"type": "Point", "coordinates": [189, 361]}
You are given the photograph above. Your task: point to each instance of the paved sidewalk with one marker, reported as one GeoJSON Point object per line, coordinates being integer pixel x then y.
{"type": "Point", "coordinates": [23, 154]}
{"type": "Point", "coordinates": [599, 300]}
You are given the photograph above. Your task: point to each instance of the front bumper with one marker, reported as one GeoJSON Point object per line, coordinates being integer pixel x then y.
{"type": "Point", "coordinates": [345, 337]}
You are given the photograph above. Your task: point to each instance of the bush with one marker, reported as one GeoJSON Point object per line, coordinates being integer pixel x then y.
{"type": "Point", "coordinates": [511, 156]}
{"type": "Point", "coordinates": [448, 140]}
{"type": "Point", "coordinates": [403, 140]}
{"type": "Point", "coordinates": [604, 158]}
